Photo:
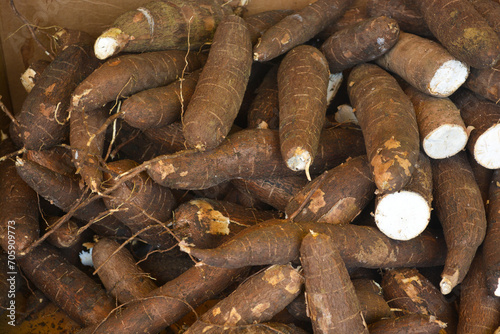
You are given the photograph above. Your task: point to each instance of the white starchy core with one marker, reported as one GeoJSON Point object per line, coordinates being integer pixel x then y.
{"type": "Point", "coordinates": [402, 215]}
{"type": "Point", "coordinates": [497, 291]}
{"type": "Point", "coordinates": [86, 258]}
{"type": "Point", "coordinates": [445, 141]}
{"type": "Point", "coordinates": [299, 160]}
{"type": "Point", "coordinates": [109, 43]}
{"type": "Point", "coordinates": [487, 148]}
{"type": "Point", "coordinates": [451, 75]}
{"type": "Point", "coordinates": [105, 47]}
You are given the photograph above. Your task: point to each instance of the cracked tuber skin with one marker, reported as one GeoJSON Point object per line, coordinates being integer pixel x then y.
{"type": "Point", "coordinates": [337, 196]}
{"type": "Point", "coordinates": [256, 300]}
{"type": "Point", "coordinates": [64, 191]}
{"type": "Point", "coordinates": [72, 290]}
{"type": "Point", "coordinates": [43, 119]}
{"type": "Point", "coordinates": [459, 207]}
{"type": "Point", "coordinates": [219, 92]}
{"type": "Point", "coordinates": [387, 119]}
{"type": "Point", "coordinates": [170, 302]}
{"type": "Point", "coordinates": [19, 212]}
{"type": "Point", "coordinates": [278, 241]}
{"type": "Point", "coordinates": [330, 297]}
{"type": "Point", "coordinates": [249, 154]}
{"type": "Point", "coordinates": [130, 73]}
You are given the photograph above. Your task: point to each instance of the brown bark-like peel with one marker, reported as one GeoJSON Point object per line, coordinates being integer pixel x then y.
{"type": "Point", "coordinates": [302, 85]}
{"type": "Point", "coordinates": [389, 125]}
{"type": "Point", "coordinates": [459, 207]}
{"type": "Point", "coordinates": [220, 89]}
{"type": "Point", "coordinates": [331, 300]}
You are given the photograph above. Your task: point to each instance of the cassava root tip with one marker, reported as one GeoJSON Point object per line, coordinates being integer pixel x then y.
{"type": "Point", "coordinates": [445, 286]}
{"type": "Point", "coordinates": [299, 160]}
{"type": "Point", "coordinates": [110, 43]}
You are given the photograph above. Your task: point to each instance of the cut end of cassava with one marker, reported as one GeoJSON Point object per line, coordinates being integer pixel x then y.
{"type": "Point", "coordinates": [402, 215]}
{"type": "Point", "coordinates": [445, 141]}
{"type": "Point", "coordinates": [445, 286]}
{"type": "Point", "coordinates": [448, 282]}
{"type": "Point", "coordinates": [299, 160]}
{"type": "Point", "coordinates": [448, 78]}
{"type": "Point", "coordinates": [110, 43]}
{"type": "Point", "coordinates": [487, 148]}
{"type": "Point", "coordinates": [497, 290]}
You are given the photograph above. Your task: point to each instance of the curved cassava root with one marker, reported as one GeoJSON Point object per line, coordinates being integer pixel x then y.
{"type": "Point", "coordinates": [278, 241]}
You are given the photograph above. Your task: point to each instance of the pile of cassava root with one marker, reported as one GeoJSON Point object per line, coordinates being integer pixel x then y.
{"type": "Point", "coordinates": [333, 169]}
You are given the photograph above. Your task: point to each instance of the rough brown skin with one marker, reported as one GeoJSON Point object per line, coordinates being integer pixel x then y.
{"type": "Point", "coordinates": [18, 208]}
{"type": "Point", "coordinates": [256, 300]}
{"type": "Point", "coordinates": [417, 60]}
{"type": "Point", "coordinates": [460, 209]}
{"type": "Point", "coordinates": [461, 30]}
{"type": "Point", "coordinates": [356, 12]}
{"type": "Point", "coordinates": [491, 251]}
{"type": "Point", "coordinates": [128, 74]}
{"type": "Point", "coordinates": [267, 328]}
{"type": "Point", "coordinates": [66, 37]}
{"type": "Point", "coordinates": [167, 304]}
{"type": "Point", "coordinates": [389, 125]}
{"type": "Point", "coordinates": [410, 324]}
{"type": "Point", "coordinates": [43, 119]}
{"type": "Point", "coordinates": [337, 196]}
{"type": "Point", "coordinates": [407, 15]}
{"type": "Point", "coordinates": [298, 28]}
{"type": "Point", "coordinates": [169, 137]}
{"type": "Point", "coordinates": [369, 294]}
{"type": "Point", "coordinates": [141, 203]}
{"type": "Point", "coordinates": [87, 144]}
{"type": "Point", "coordinates": [490, 11]}
{"type": "Point", "coordinates": [479, 312]}
{"type": "Point", "coordinates": [119, 273]}
{"type": "Point", "coordinates": [57, 159]}
{"type": "Point", "coordinates": [331, 300]}
{"type": "Point", "coordinates": [64, 191]}
{"type": "Point", "coordinates": [483, 177]}
{"type": "Point", "coordinates": [65, 236]}
{"type": "Point", "coordinates": [207, 223]}
{"type": "Point", "coordinates": [258, 23]}
{"type": "Point", "coordinates": [482, 115]}
{"type": "Point", "coordinates": [220, 89]}
{"type": "Point", "coordinates": [302, 88]}
{"type": "Point", "coordinates": [435, 114]}
{"type": "Point", "coordinates": [161, 106]}
{"type": "Point", "coordinates": [485, 82]}
{"type": "Point", "coordinates": [172, 24]}
{"type": "Point", "coordinates": [264, 110]}
{"type": "Point", "coordinates": [278, 241]}
{"type": "Point", "coordinates": [249, 154]}
{"type": "Point", "coordinates": [371, 300]}
{"type": "Point", "coordinates": [69, 288]}
{"type": "Point", "coordinates": [361, 42]}
{"type": "Point", "coordinates": [407, 289]}
{"type": "Point", "coordinates": [276, 192]}
{"type": "Point", "coordinates": [244, 199]}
